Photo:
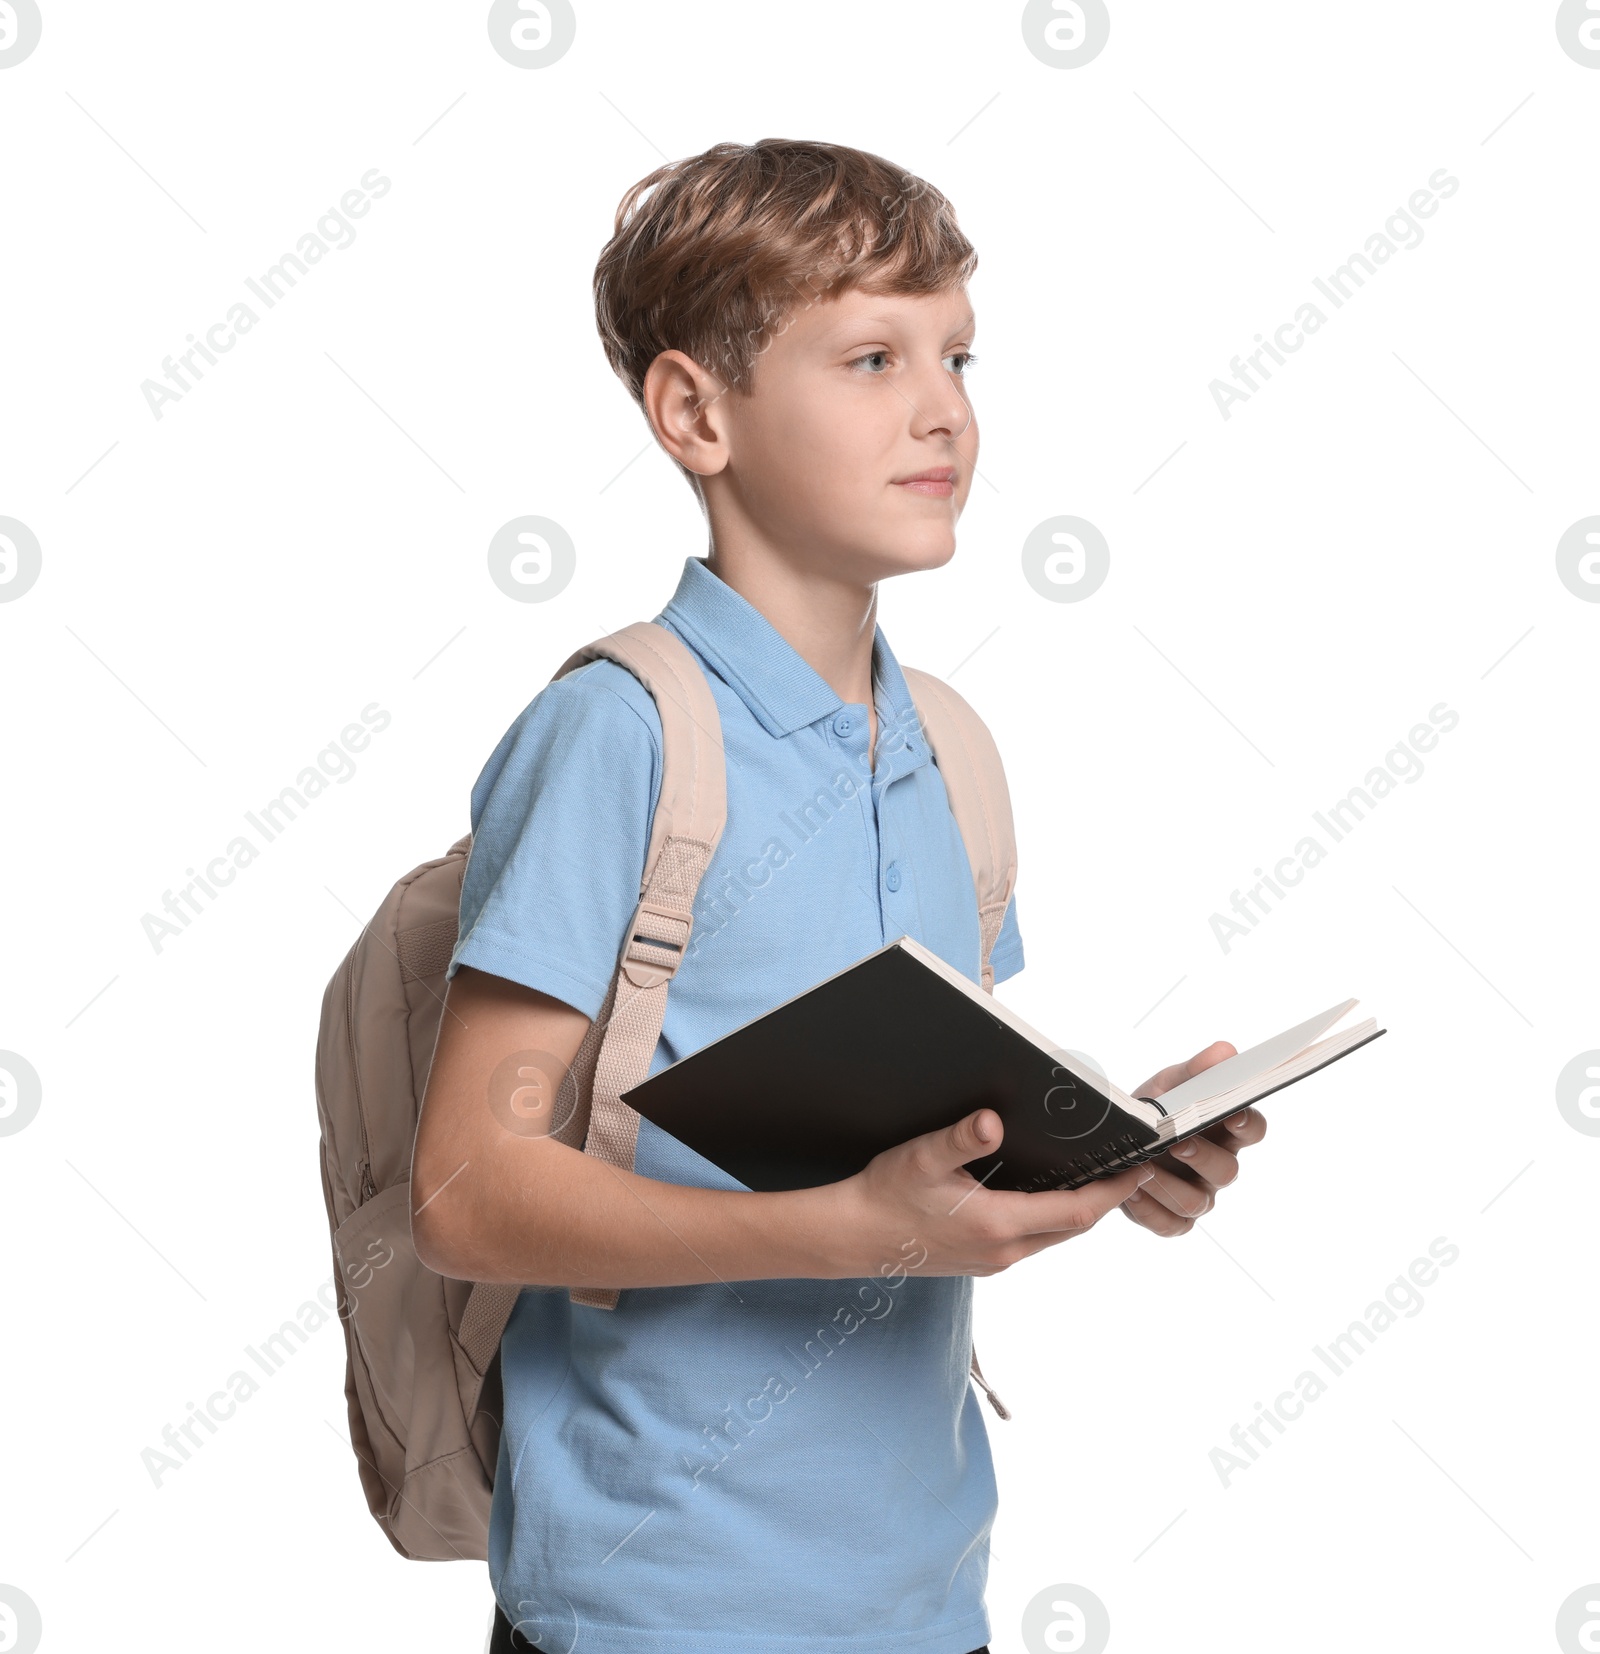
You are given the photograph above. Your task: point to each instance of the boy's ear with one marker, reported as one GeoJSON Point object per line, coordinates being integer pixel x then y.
{"type": "Point", "coordinates": [684, 405]}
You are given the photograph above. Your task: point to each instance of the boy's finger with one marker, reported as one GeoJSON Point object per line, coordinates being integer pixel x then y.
{"type": "Point", "coordinates": [1164, 1081]}
{"type": "Point", "coordinates": [1203, 1157]}
{"type": "Point", "coordinates": [968, 1139]}
{"type": "Point", "coordinates": [1079, 1208]}
{"type": "Point", "coordinates": [1218, 1051]}
{"type": "Point", "coordinates": [1238, 1131]}
{"type": "Point", "coordinates": [1179, 1190]}
{"type": "Point", "coordinates": [1158, 1219]}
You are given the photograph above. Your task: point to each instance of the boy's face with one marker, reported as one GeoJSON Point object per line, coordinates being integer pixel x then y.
{"type": "Point", "coordinates": [857, 398]}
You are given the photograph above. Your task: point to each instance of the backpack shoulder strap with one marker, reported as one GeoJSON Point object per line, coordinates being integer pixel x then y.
{"type": "Point", "coordinates": [690, 814]}
{"type": "Point", "coordinates": [693, 805]}
{"type": "Point", "coordinates": [980, 800]}
{"type": "Point", "coordinates": [975, 779]}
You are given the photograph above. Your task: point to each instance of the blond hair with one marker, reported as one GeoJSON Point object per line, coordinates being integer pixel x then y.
{"type": "Point", "coordinates": [711, 254]}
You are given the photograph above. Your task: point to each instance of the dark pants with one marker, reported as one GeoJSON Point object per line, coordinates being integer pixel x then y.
{"type": "Point", "coordinates": [508, 1640]}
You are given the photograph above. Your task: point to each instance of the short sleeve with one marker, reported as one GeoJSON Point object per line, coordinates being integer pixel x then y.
{"type": "Point", "coordinates": [561, 824]}
{"type": "Point", "coordinates": [1006, 959]}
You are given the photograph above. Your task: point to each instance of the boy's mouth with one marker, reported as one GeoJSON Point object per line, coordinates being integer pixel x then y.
{"type": "Point", "coordinates": [939, 483]}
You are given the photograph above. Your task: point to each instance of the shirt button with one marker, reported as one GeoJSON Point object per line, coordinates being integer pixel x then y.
{"type": "Point", "coordinates": [892, 879]}
{"type": "Point", "coordinates": [843, 724]}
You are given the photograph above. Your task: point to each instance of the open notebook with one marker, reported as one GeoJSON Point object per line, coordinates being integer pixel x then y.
{"type": "Point", "coordinates": [901, 1043]}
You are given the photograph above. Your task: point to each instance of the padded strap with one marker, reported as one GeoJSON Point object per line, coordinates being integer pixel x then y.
{"type": "Point", "coordinates": [689, 817]}
{"type": "Point", "coordinates": [694, 784]}
{"type": "Point", "coordinates": [980, 800]}
{"type": "Point", "coordinates": [660, 933]}
{"type": "Point", "coordinates": [483, 1322]}
{"type": "Point", "coordinates": [615, 1055]}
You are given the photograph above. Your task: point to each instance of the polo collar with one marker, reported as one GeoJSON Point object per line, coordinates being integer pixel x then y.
{"type": "Point", "coordinates": [783, 691]}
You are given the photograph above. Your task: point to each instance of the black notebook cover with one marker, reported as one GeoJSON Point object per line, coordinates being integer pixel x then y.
{"type": "Point", "coordinates": [880, 1053]}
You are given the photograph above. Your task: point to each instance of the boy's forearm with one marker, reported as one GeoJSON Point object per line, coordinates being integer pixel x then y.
{"type": "Point", "coordinates": [492, 1205]}
{"type": "Point", "coordinates": [547, 1215]}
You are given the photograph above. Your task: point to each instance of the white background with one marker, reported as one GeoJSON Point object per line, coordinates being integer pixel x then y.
{"type": "Point", "coordinates": [223, 589]}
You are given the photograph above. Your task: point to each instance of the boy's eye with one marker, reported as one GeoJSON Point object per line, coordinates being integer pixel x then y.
{"type": "Point", "coordinates": [875, 362]}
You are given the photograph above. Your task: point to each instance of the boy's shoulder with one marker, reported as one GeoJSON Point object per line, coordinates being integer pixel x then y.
{"type": "Point", "coordinates": [601, 695]}
{"type": "Point", "coordinates": [595, 723]}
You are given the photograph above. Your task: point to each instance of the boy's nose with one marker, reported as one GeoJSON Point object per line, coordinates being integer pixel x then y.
{"type": "Point", "coordinates": [940, 406]}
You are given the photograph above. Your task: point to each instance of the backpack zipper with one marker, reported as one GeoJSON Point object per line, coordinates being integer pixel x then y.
{"type": "Point", "coordinates": [364, 1166]}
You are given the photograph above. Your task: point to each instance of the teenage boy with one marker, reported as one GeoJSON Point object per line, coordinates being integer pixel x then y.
{"type": "Point", "coordinates": [698, 1468]}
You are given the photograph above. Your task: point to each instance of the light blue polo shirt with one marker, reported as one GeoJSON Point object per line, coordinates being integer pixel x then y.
{"type": "Point", "coordinates": [769, 1466]}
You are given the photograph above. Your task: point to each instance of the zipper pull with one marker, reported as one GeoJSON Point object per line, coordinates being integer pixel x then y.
{"type": "Point", "coordinates": [368, 1187]}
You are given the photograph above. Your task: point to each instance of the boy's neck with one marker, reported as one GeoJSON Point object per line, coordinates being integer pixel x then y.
{"type": "Point", "coordinates": [828, 623]}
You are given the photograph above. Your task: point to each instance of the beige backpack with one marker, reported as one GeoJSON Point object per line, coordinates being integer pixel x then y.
{"type": "Point", "coordinates": [423, 1378]}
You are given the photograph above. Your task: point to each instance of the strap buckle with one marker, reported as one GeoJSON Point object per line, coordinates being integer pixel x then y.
{"type": "Point", "coordinates": [658, 938]}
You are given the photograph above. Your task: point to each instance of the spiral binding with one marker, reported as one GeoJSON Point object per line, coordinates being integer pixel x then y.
{"type": "Point", "coordinates": [1095, 1163]}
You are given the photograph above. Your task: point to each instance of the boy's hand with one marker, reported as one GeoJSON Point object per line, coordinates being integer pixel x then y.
{"type": "Point", "coordinates": [1188, 1177]}
{"type": "Point", "coordinates": [919, 1192]}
